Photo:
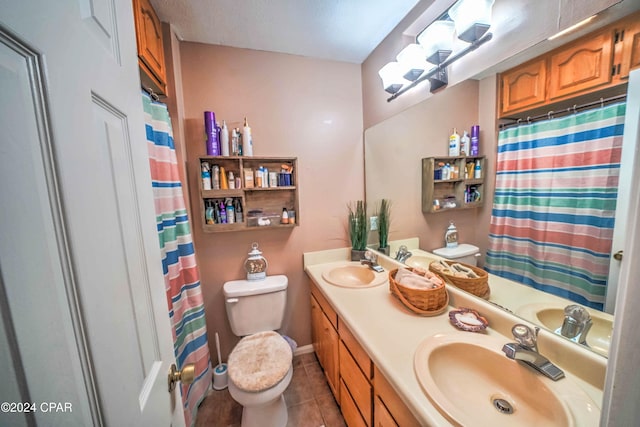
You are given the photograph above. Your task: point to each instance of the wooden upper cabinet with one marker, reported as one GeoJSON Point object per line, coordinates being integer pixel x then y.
{"type": "Point", "coordinates": [581, 66]}
{"type": "Point", "coordinates": [524, 86]}
{"type": "Point", "coordinates": [150, 47]}
{"type": "Point", "coordinates": [629, 35]}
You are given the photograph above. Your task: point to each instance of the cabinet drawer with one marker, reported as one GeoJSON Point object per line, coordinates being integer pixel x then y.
{"type": "Point", "coordinates": [356, 350]}
{"type": "Point", "coordinates": [349, 409]}
{"type": "Point", "coordinates": [392, 402]}
{"type": "Point", "coordinates": [356, 382]}
{"type": "Point", "coordinates": [382, 416]}
{"type": "Point", "coordinates": [326, 307]}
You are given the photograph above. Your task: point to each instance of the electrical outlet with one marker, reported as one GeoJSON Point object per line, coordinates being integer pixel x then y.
{"type": "Point", "coordinates": [374, 223]}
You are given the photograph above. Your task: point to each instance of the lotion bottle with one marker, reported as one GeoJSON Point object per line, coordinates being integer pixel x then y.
{"type": "Point", "coordinates": [247, 141]}
{"type": "Point", "coordinates": [224, 139]}
{"type": "Point", "coordinates": [454, 144]}
{"type": "Point", "coordinates": [465, 144]}
{"type": "Point", "coordinates": [477, 171]}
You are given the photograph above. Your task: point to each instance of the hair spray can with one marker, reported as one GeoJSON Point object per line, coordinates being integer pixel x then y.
{"type": "Point", "coordinates": [475, 140]}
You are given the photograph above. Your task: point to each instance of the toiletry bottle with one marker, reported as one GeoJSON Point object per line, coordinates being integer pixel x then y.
{"type": "Point", "coordinates": [465, 144]}
{"type": "Point", "coordinates": [240, 147]}
{"type": "Point", "coordinates": [451, 236]}
{"type": "Point", "coordinates": [211, 133]}
{"type": "Point", "coordinates": [477, 171]}
{"type": "Point", "coordinates": [209, 218]}
{"type": "Point", "coordinates": [285, 216]}
{"type": "Point", "coordinates": [446, 172]}
{"type": "Point", "coordinates": [215, 177]}
{"type": "Point", "coordinates": [223, 179]}
{"type": "Point", "coordinates": [238, 209]}
{"type": "Point", "coordinates": [234, 142]}
{"type": "Point", "coordinates": [231, 181]}
{"type": "Point", "coordinates": [454, 144]}
{"type": "Point", "coordinates": [224, 139]}
{"type": "Point", "coordinates": [247, 141]}
{"type": "Point", "coordinates": [231, 215]}
{"type": "Point", "coordinates": [475, 140]}
{"type": "Point", "coordinates": [223, 213]}
{"type": "Point", "coordinates": [206, 176]}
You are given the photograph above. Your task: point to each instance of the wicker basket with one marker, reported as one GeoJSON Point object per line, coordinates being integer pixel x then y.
{"type": "Point", "coordinates": [476, 286]}
{"type": "Point", "coordinates": [427, 302]}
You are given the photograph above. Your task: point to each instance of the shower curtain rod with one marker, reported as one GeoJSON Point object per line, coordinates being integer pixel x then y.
{"type": "Point", "coordinates": [551, 114]}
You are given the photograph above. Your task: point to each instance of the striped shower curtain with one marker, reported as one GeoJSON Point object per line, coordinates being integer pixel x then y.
{"type": "Point", "coordinates": [182, 282]}
{"type": "Point", "coordinates": [554, 206]}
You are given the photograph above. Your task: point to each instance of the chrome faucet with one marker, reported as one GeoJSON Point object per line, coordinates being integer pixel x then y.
{"type": "Point", "coordinates": [371, 259]}
{"type": "Point", "coordinates": [402, 254]}
{"type": "Point", "coordinates": [525, 349]}
{"type": "Point", "coordinates": [576, 325]}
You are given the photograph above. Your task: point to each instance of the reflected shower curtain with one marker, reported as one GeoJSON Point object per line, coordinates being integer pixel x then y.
{"type": "Point", "coordinates": [182, 282]}
{"type": "Point", "coordinates": [555, 200]}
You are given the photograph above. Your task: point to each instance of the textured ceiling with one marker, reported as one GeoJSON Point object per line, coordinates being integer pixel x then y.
{"type": "Point", "coordinates": [341, 30]}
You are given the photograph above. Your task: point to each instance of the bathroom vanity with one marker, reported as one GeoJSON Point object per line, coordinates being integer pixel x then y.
{"type": "Point", "coordinates": [367, 341]}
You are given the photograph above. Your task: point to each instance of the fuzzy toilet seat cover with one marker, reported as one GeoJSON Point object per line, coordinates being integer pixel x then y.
{"type": "Point", "coordinates": [259, 361]}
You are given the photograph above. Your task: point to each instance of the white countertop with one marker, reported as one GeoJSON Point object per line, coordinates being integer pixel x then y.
{"type": "Point", "coordinates": [390, 333]}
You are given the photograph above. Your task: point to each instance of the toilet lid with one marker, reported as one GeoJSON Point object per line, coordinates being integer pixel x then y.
{"type": "Point", "coordinates": [259, 361]}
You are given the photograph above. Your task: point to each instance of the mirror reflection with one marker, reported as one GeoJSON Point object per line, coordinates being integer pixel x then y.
{"type": "Point", "coordinates": [393, 152]}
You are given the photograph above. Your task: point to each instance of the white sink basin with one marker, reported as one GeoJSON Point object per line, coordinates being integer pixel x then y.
{"type": "Point", "coordinates": [419, 262]}
{"type": "Point", "coordinates": [551, 317]}
{"type": "Point", "coordinates": [353, 275]}
{"type": "Point", "coordinates": [471, 382]}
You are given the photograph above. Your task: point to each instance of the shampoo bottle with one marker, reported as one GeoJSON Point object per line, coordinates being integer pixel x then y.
{"type": "Point", "coordinates": [454, 144]}
{"type": "Point", "coordinates": [465, 144]}
{"type": "Point", "coordinates": [247, 141]}
{"type": "Point", "coordinates": [206, 176]}
{"type": "Point", "coordinates": [224, 139]}
{"type": "Point", "coordinates": [231, 215]}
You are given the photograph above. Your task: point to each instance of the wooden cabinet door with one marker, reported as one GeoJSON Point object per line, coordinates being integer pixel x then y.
{"type": "Point", "coordinates": [523, 87]}
{"type": "Point", "coordinates": [581, 66]}
{"type": "Point", "coordinates": [325, 343]}
{"type": "Point", "coordinates": [149, 39]}
{"type": "Point", "coordinates": [630, 49]}
{"type": "Point", "coordinates": [382, 416]}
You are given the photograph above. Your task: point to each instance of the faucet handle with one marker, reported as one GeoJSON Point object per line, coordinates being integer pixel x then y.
{"type": "Point", "coordinates": [525, 336]}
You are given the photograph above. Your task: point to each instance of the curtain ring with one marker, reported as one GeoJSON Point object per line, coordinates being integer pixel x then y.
{"type": "Point", "coordinates": [529, 119]}
{"type": "Point", "coordinates": [574, 108]}
{"type": "Point", "coordinates": [601, 102]}
{"type": "Point", "coordinates": [518, 122]}
{"type": "Point", "coordinates": [550, 115]}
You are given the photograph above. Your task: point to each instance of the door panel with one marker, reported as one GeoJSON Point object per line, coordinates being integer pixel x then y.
{"type": "Point", "coordinates": [79, 253]}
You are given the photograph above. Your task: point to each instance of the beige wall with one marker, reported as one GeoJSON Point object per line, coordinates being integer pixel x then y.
{"type": "Point", "coordinates": [299, 107]}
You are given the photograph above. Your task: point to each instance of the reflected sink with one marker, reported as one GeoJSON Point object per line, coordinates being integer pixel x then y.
{"type": "Point", "coordinates": [353, 275]}
{"type": "Point", "coordinates": [419, 262]}
{"type": "Point", "coordinates": [468, 378]}
{"type": "Point", "coordinates": [552, 316]}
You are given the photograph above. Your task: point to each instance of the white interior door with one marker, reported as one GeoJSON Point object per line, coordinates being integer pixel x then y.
{"type": "Point", "coordinates": [84, 313]}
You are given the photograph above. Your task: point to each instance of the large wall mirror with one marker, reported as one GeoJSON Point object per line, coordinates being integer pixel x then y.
{"type": "Point", "coordinates": [393, 152]}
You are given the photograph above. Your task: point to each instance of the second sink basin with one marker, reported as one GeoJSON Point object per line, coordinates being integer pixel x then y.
{"type": "Point", "coordinates": [470, 380]}
{"type": "Point", "coordinates": [552, 316]}
{"type": "Point", "coordinates": [419, 262]}
{"type": "Point", "coordinates": [353, 275]}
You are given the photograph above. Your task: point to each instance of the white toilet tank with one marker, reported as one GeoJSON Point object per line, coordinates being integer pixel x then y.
{"type": "Point", "coordinates": [255, 305]}
{"type": "Point", "coordinates": [464, 253]}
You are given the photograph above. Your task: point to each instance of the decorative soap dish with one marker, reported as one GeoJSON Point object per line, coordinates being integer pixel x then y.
{"type": "Point", "coordinates": [467, 319]}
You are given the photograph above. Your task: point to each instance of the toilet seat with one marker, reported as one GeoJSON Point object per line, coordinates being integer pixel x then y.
{"type": "Point", "coordinates": [259, 361]}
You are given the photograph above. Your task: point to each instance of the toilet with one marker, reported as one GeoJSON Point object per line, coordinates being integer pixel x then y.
{"type": "Point", "coordinates": [464, 253]}
{"type": "Point", "coordinates": [260, 365]}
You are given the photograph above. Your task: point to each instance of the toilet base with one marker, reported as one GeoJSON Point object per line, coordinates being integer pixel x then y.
{"type": "Point", "coordinates": [273, 414]}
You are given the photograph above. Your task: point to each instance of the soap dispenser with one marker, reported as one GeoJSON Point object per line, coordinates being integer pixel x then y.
{"type": "Point", "coordinates": [451, 236]}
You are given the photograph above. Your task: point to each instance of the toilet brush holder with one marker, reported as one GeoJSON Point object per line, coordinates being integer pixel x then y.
{"type": "Point", "coordinates": [220, 379]}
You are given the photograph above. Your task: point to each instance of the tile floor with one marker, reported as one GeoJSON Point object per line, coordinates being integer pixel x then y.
{"type": "Point", "coordinates": [308, 398]}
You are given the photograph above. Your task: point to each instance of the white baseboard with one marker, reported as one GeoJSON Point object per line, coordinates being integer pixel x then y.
{"type": "Point", "coordinates": [303, 350]}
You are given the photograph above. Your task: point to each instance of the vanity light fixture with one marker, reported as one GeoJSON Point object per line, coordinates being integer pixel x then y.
{"type": "Point", "coordinates": [469, 19]}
